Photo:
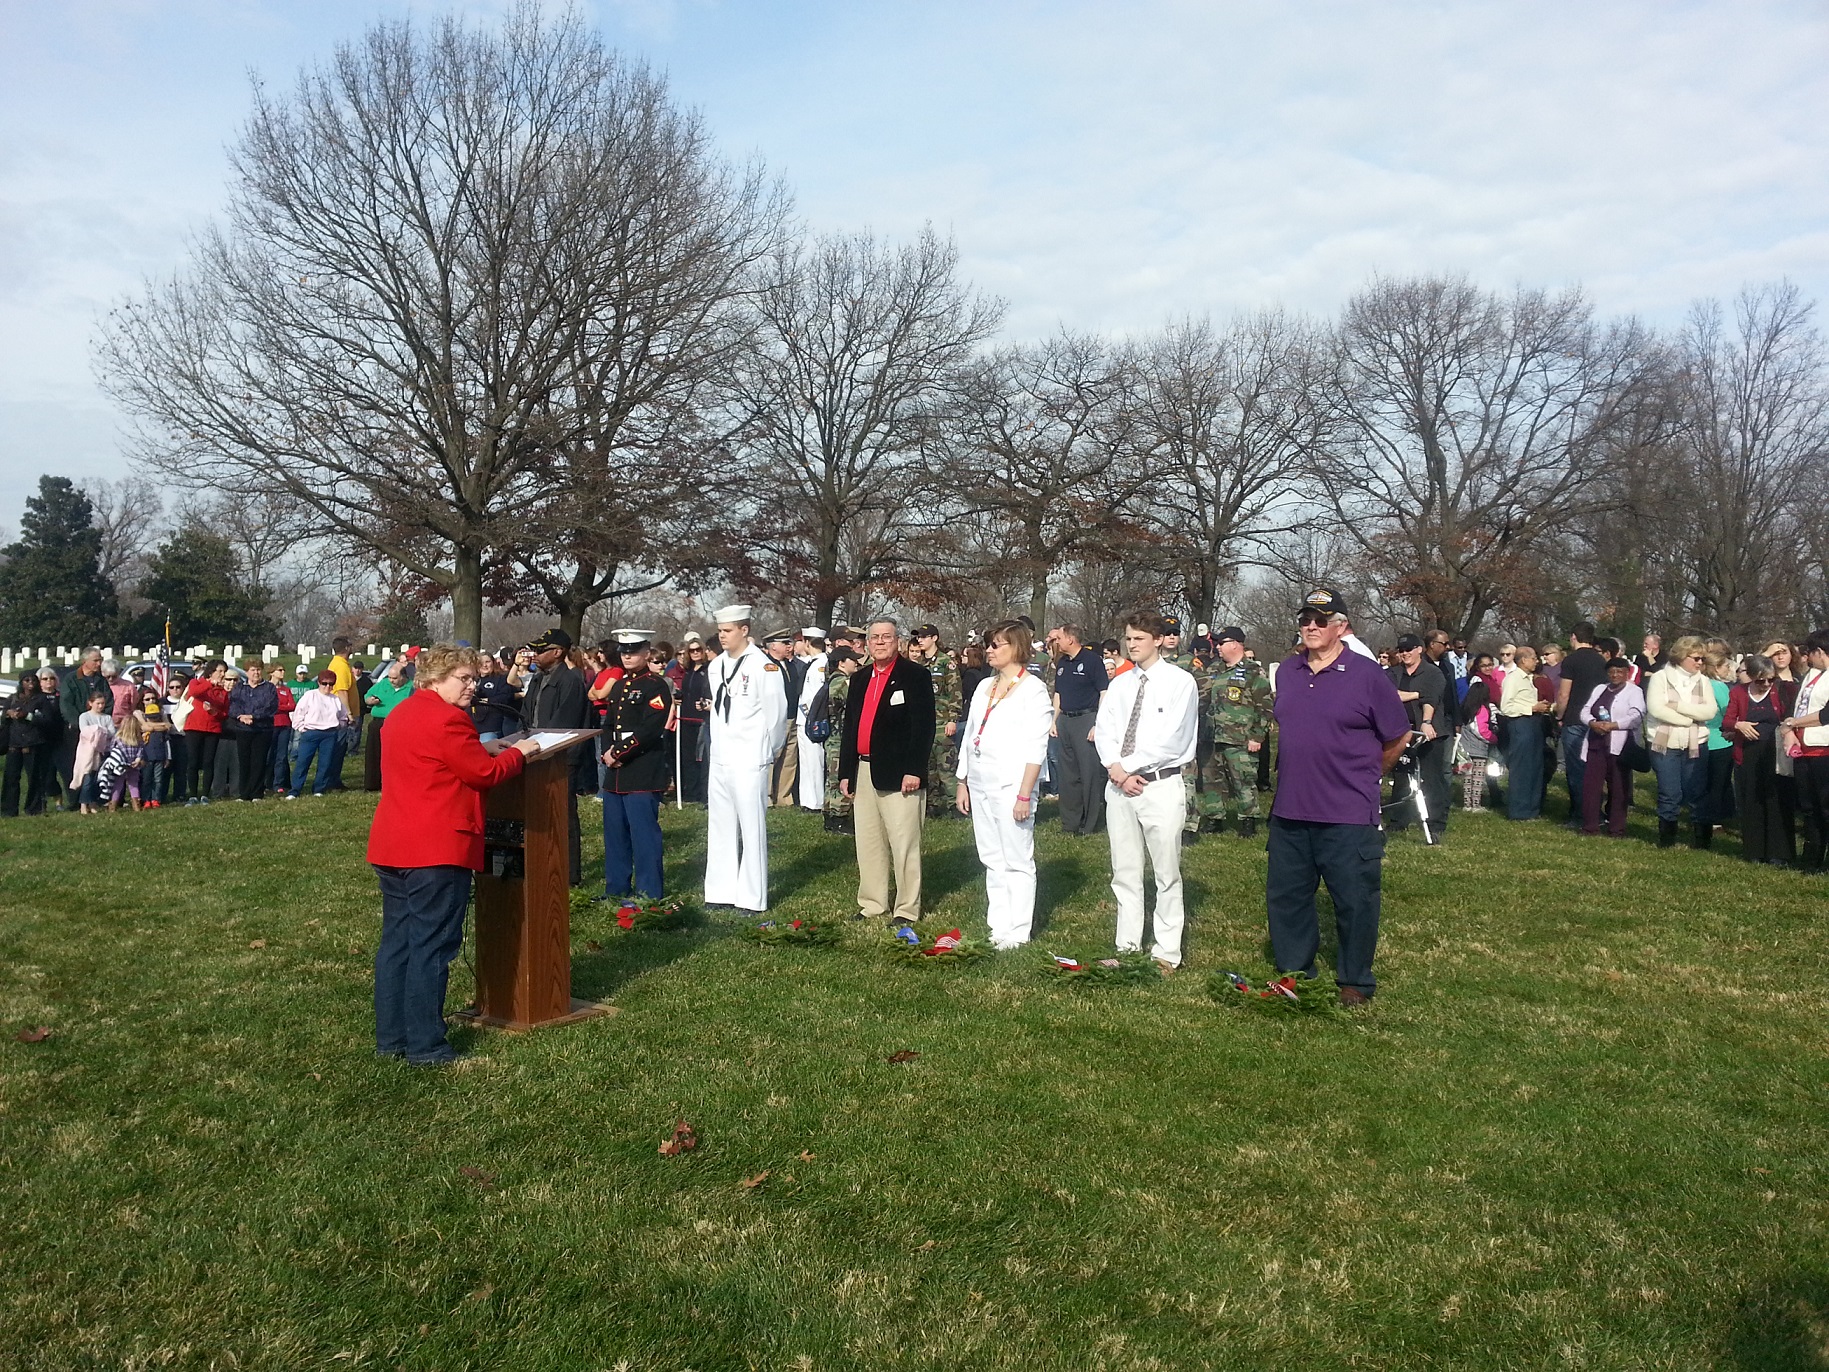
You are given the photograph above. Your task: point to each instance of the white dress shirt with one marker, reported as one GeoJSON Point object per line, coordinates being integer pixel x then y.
{"type": "Point", "coordinates": [995, 748]}
{"type": "Point", "coordinates": [1167, 728]}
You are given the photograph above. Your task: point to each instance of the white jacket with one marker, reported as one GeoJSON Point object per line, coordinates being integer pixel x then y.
{"type": "Point", "coordinates": [994, 750]}
{"type": "Point", "coordinates": [1680, 704]}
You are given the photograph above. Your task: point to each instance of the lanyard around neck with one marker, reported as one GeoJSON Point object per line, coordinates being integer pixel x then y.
{"type": "Point", "coordinates": [997, 697]}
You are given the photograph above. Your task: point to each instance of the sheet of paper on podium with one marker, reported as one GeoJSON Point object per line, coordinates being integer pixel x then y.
{"type": "Point", "coordinates": [551, 738]}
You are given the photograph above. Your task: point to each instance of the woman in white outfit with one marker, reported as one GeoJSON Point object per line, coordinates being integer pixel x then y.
{"type": "Point", "coordinates": [1001, 749]}
{"type": "Point", "coordinates": [812, 755]}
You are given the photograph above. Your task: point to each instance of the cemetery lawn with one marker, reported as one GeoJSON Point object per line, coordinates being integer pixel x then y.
{"type": "Point", "coordinates": [1584, 1125]}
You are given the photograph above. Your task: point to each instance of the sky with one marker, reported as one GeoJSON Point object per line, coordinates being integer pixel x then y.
{"type": "Point", "coordinates": [1104, 166]}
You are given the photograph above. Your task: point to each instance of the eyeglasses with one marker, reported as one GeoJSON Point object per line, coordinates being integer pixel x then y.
{"type": "Point", "coordinates": [469, 678]}
{"type": "Point", "coordinates": [1760, 680]}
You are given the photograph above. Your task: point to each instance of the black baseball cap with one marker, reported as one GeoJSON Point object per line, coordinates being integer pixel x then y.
{"type": "Point", "coordinates": [1322, 598]}
{"type": "Point", "coordinates": [552, 638]}
{"type": "Point", "coordinates": [1171, 625]}
{"type": "Point", "coordinates": [1230, 634]}
{"type": "Point", "coordinates": [926, 631]}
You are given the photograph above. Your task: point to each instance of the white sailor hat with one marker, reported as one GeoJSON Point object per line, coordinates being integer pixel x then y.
{"type": "Point", "coordinates": [733, 614]}
{"type": "Point", "coordinates": [815, 632]}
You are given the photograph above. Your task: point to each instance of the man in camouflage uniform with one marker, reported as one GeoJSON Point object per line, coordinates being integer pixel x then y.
{"type": "Point", "coordinates": [1240, 706]}
{"type": "Point", "coordinates": [925, 649]}
{"type": "Point", "coordinates": [841, 665]}
{"type": "Point", "coordinates": [1195, 665]}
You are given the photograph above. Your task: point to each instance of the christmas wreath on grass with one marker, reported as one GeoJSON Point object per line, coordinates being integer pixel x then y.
{"type": "Point", "coordinates": [1126, 969]}
{"type": "Point", "coordinates": [640, 914]}
{"type": "Point", "coordinates": [795, 933]}
{"type": "Point", "coordinates": [1287, 995]}
{"type": "Point", "coordinates": [905, 945]}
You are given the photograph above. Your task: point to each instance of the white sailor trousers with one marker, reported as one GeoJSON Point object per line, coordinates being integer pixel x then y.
{"type": "Point", "coordinates": [1148, 823]}
{"type": "Point", "coordinates": [1007, 850]}
{"type": "Point", "coordinates": [736, 836]}
{"type": "Point", "coordinates": [812, 767]}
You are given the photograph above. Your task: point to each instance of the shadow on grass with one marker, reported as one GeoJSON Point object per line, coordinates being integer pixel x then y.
{"type": "Point", "coordinates": [599, 975]}
{"type": "Point", "coordinates": [1783, 1327]}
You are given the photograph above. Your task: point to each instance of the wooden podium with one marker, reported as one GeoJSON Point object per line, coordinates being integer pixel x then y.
{"type": "Point", "coordinates": [523, 895]}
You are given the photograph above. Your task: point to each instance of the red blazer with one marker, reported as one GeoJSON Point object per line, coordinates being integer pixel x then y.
{"type": "Point", "coordinates": [433, 775]}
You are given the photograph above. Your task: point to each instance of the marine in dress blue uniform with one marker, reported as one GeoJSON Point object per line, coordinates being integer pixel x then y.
{"type": "Point", "coordinates": [637, 762]}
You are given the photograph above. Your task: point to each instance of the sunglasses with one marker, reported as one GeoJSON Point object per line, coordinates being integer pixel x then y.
{"type": "Point", "coordinates": [1312, 619]}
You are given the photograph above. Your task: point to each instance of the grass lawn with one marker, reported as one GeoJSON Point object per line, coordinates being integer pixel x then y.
{"type": "Point", "coordinates": [1583, 1126]}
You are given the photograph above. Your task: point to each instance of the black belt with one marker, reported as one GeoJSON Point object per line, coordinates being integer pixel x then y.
{"type": "Point", "coordinates": [1158, 775]}
{"type": "Point", "coordinates": [1074, 714]}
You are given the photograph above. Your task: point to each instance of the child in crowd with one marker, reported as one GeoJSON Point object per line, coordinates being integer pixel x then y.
{"type": "Point", "coordinates": [120, 770]}
{"type": "Point", "coordinates": [156, 726]}
{"type": "Point", "coordinates": [94, 740]}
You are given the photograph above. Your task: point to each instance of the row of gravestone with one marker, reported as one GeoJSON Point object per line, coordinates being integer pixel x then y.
{"type": "Point", "coordinates": [16, 659]}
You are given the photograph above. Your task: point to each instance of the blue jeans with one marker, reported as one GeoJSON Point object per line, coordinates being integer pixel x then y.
{"type": "Point", "coordinates": [322, 745]}
{"type": "Point", "coordinates": [1681, 781]}
{"type": "Point", "coordinates": [282, 758]}
{"type": "Point", "coordinates": [1524, 760]}
{"type": "Point", "coordinates": [631, 844]}
{"type": "Point", "coordinates": [1573, 768]}
{"type": "Point", "coordinates": [346, 739]}
{"type": "Point", "coordinates": [422, 929]}
{"type": "Point", "coordinates": [90, 792]}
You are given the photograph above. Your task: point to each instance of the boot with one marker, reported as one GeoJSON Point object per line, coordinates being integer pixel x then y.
{"type": "Point", "coordinates": [1667, 833]}
{"type": "Point", "coordinates": [1247, 827]}
{"type": "Point", "coordinates": [1189, 837]}
{"type": "Point", "coordinates": [833, 826]}
{"type": "Point", "coordinates": [1213, 824]}
{"type": "Point", "coordinates": [1701, 835]}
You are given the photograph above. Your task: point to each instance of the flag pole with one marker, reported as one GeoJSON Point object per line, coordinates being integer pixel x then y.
{"type": "Point", "coordinates": [679, 776]}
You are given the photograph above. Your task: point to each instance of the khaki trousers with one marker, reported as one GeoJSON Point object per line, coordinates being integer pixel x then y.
{"type": "Point", "coordinates": [784, 776]}
{"type": "Point", "coordinates": [888, 838]}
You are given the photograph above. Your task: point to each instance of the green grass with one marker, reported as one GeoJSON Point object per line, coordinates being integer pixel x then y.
{"type": "Point", "coordinates": [1583, 1126]}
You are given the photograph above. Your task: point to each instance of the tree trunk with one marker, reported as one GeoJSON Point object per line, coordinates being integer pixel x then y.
{"type": "Point", "coordinates": [1038, 603]}
{"type": "Point", "coordinates": [467, 596]}
{"type": "Point", "coordinates": [824, 607]}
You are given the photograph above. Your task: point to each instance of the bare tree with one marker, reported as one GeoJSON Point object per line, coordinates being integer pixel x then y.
{"type": "Point", "coordinates": [1756, 433]}
{"type": "Point", "coordinates": [1474, 429]}
{"type": "Point", "coordinates": [427, 246]}
{"type": "Point", "coordinates": [1231, 422]}
{"type": "Point", "coordinates": [1038, 444]}
{"type": "Point", "coordinates": [856, 345]}
{"type": "Point", "coordinates": [129, 514]}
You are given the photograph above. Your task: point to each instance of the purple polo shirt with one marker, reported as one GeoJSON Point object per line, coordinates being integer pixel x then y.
{"type": "Point", "coordinates": [1331, 731]}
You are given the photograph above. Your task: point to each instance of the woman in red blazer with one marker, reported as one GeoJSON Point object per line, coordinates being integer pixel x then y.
{"type": "Point", "coordinates": [425, 841]}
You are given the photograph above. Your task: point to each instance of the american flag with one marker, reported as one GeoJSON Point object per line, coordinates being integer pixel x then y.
{"type": "Point", "coordinates": [161, 664]}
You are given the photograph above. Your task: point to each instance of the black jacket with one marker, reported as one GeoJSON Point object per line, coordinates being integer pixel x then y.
{"type": "Point", "coordinates": [556, 699]}
{"type": "Point", "coordinates": [903, 735]}
{"type": "Point", "coordinates": [635, 730]}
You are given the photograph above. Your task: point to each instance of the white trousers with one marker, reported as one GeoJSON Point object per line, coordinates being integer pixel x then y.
{"type": "Point", "coordinates": [1007, 850]}
{"type": "Point", "coordinates": [1150, 823]}
{"type": "Point", "coordinates": [736, 836]}
{"type": "Point", "coordinates": [812, 770]}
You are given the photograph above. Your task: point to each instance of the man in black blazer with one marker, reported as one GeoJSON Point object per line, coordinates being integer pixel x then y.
{"type": "Point", "coordinates": [882, 767]}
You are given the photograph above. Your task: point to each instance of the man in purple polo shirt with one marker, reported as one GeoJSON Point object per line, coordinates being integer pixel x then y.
{"type": "Point", "coordinates": [1340, 726]}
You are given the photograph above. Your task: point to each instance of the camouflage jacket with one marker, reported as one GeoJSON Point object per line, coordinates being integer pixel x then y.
{"type": "Point", "coordinates": [945, 673]}
{"type": "Point", "coordinates": [1240, 702]}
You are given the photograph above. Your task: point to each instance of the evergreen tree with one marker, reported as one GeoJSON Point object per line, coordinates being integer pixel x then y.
{"type": "Point", "coordinates": [193, 578]}
{"type": "Point", "coordinates": [52, 590]}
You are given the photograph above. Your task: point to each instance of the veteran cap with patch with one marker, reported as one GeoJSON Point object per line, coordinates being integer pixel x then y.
{"type": "Point", "coordinates": [552, 638]}
{"type": "Point", "coordinates": [1230, 634]}
{"type": "Point", "coordinates": [1322, 598]}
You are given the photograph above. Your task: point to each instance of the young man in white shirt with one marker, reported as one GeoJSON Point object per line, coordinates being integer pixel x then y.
{"type": "Point", "coordinates": [1147, 725]}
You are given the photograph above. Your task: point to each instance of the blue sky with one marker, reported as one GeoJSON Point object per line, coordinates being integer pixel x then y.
{"type": "Point", "coordinates": [1105, 166]}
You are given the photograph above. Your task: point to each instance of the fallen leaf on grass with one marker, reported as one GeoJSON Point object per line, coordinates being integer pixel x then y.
{"type": "Point", "coordinates": [482, 1293]}
{"type": "Point", "coordinates": [477, 1175]}
{"type": "Point", "coordinates": [257, 943]}
{"type": "Point", "coordinates": [592, 946]}
{"type": "Point", "coordinates": [927, 1247]}
{"type": "Point", "coordinates": [905, 1055]}
{"type": "Point", "coordinates": [751, 1183]}
{"type": "Point", "coordinates": [38, 1035]}
{"type": "Point", "coordinates": [806, 1156]}
{"type": "Point", "coordinates": [682, 1141]}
